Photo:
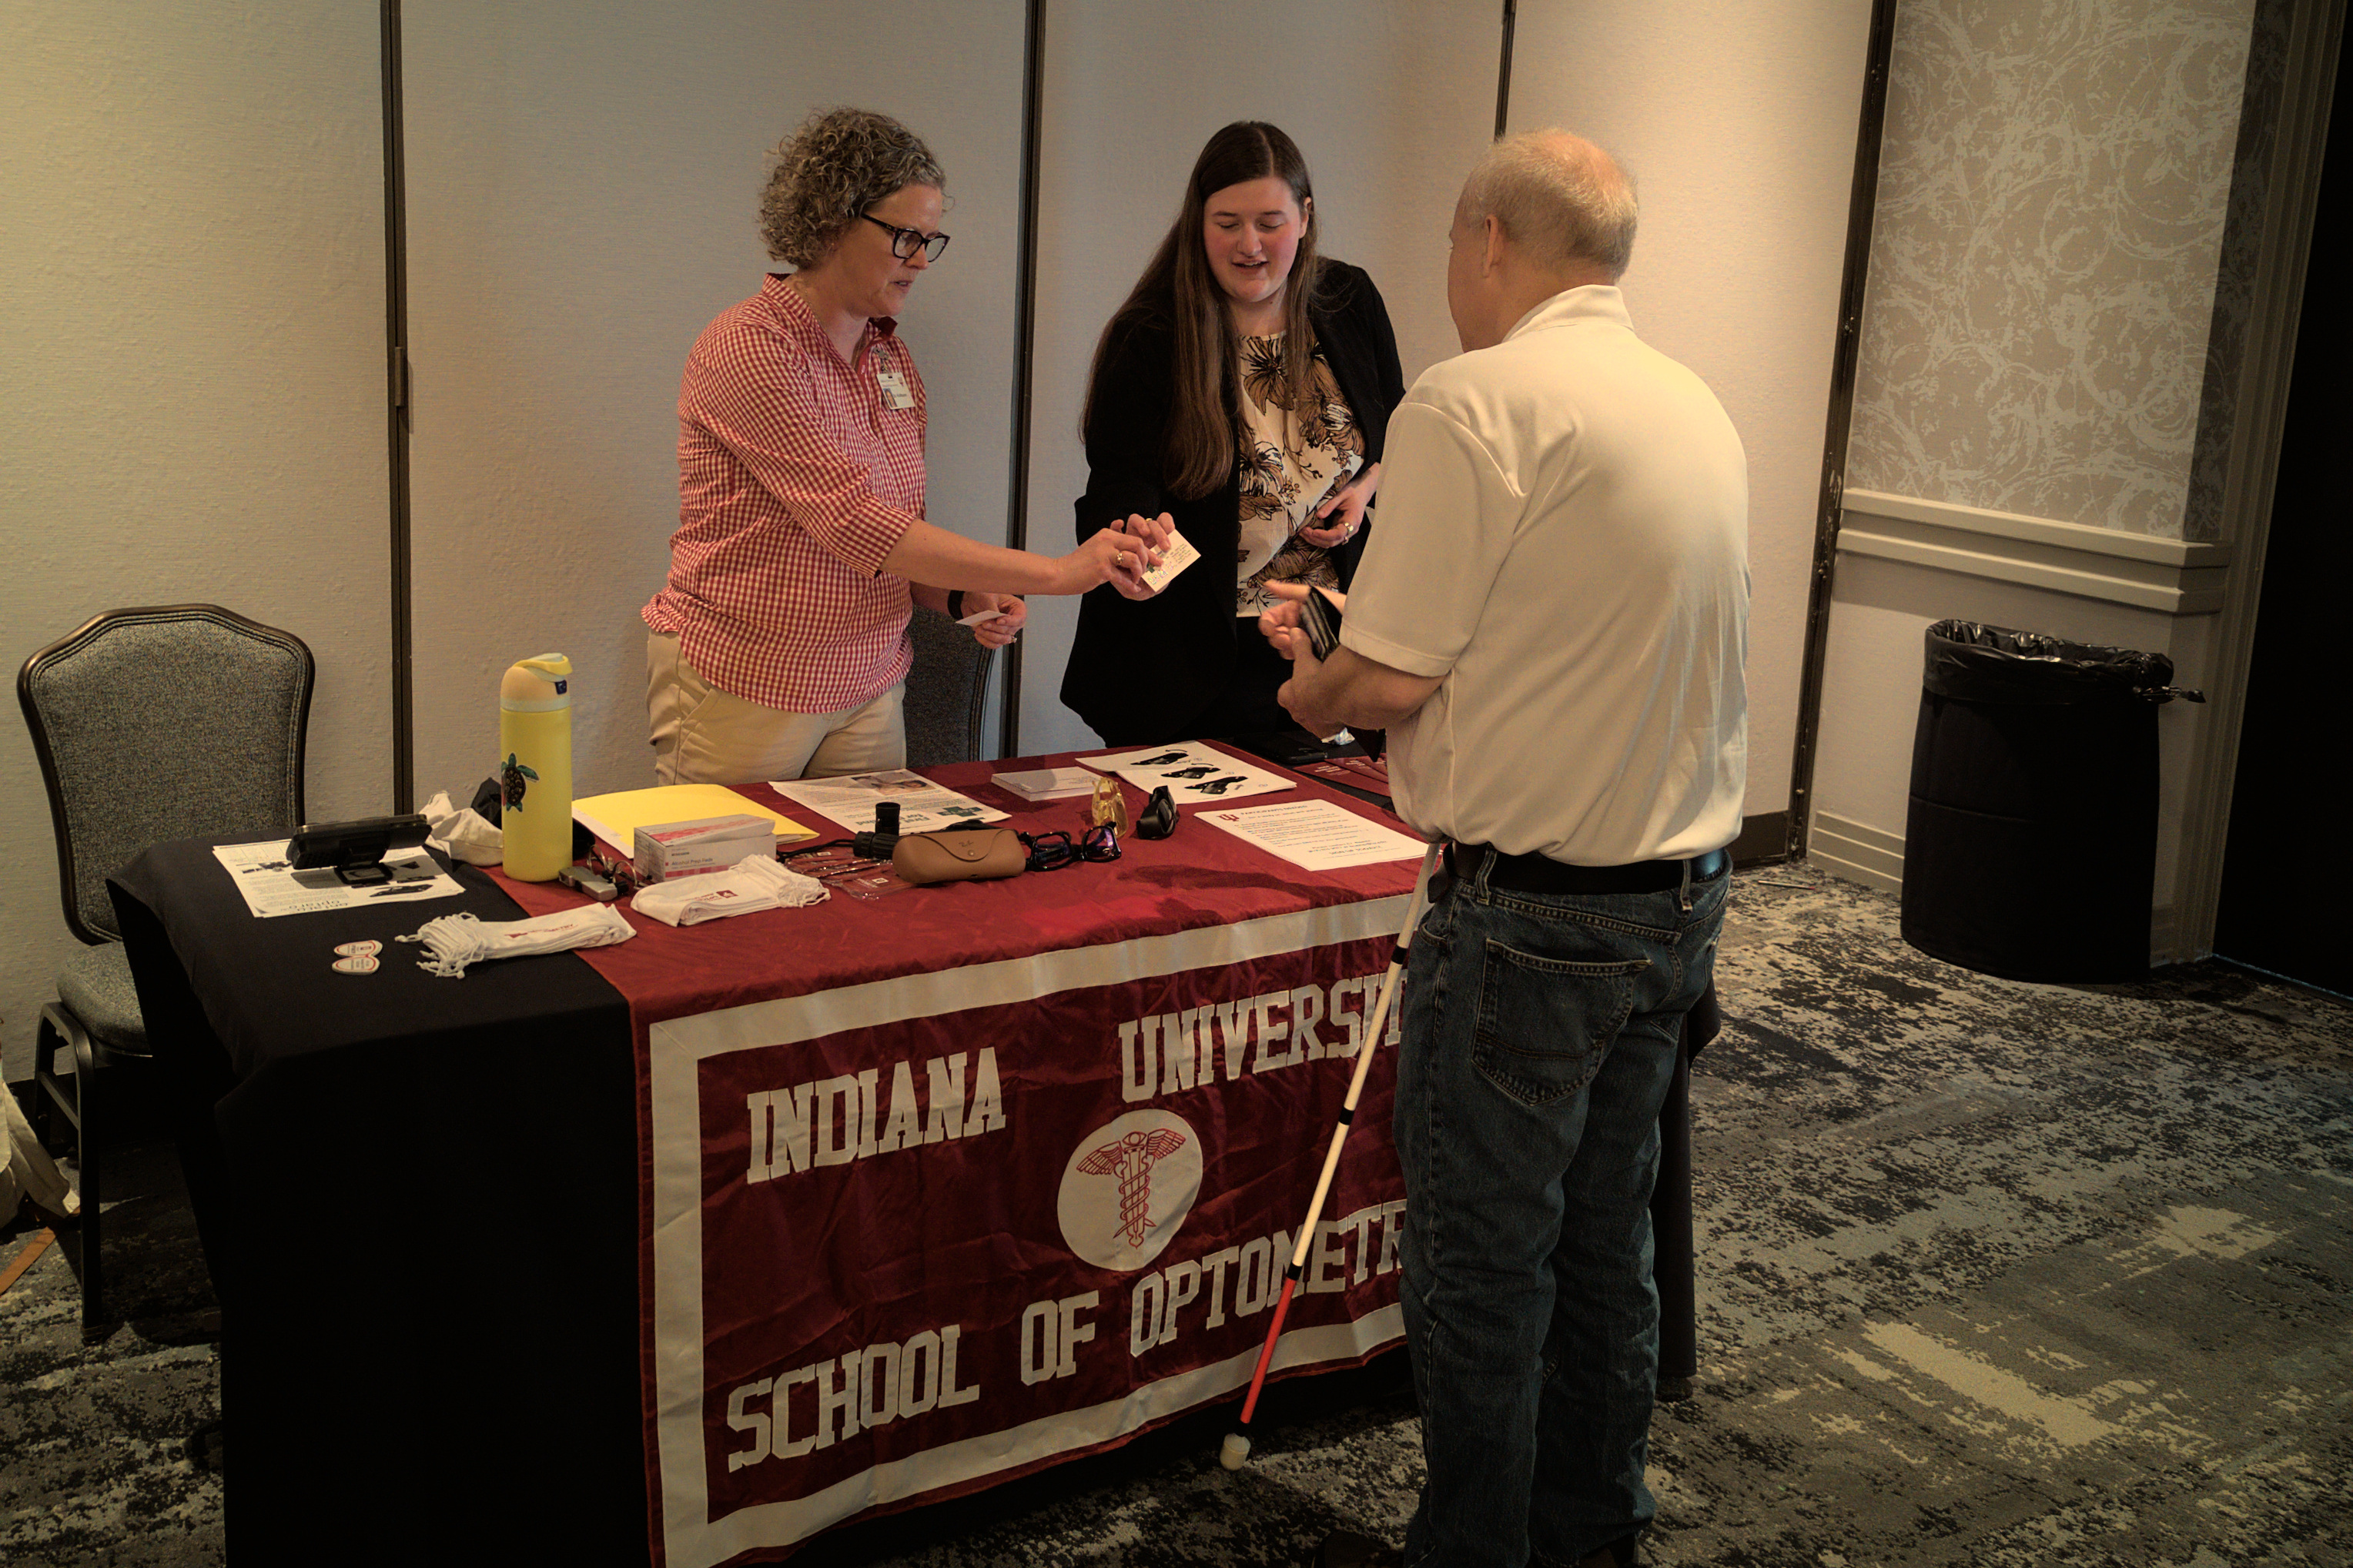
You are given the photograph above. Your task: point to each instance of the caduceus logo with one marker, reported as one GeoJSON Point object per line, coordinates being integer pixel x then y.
{"type": "Point", "coordinates": [1127, 1188]}
{"type": "Point", "coordinates": [1131, 1159]}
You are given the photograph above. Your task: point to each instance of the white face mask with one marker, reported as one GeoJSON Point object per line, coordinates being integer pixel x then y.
{"type": "Point", "coordinates": [462, 833]}
{"type": "Point", "coordinates": [455, 940]}
{"type": "Point", "coordinates": [755, 882]}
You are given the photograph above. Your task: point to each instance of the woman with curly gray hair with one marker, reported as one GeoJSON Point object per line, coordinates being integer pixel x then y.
{"type": "Point", "coordinates": [777, 648]}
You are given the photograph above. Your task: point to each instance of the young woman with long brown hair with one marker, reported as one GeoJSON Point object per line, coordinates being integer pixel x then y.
{"type": "Point", "coordinates": [1242, 393]}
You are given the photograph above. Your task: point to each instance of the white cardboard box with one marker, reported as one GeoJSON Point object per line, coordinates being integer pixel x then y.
{"type": "Point", "coordinates": [667, 849]}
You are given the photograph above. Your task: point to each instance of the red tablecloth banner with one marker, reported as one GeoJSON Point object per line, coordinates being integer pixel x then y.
{"type": "Point", "coordinates": [959, 1182]}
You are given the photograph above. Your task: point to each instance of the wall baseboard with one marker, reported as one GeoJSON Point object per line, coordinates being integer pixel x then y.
{"type": "Point", "coordinates": [1857, 851]}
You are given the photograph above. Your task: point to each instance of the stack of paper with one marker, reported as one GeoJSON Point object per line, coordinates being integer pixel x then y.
{"type": "Point", "coordinates": [1046, 784]}
{"type": "Point", "coordinates": [616, 818]}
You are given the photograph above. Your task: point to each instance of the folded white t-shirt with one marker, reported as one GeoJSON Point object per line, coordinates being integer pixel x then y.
{"type": "Point", "coordinates": [755, 882]}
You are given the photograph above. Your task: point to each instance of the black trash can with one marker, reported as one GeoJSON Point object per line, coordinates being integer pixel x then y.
{"type": "Point", "coordinates": [2030, 846]}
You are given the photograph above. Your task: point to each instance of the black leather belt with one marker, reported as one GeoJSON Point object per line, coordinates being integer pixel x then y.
{"type": "Point", "coordinates": [1541, 874]}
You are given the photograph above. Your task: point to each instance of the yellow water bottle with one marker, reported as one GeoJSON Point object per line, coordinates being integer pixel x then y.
{"type": "Point", "coordinates": [536, 774]}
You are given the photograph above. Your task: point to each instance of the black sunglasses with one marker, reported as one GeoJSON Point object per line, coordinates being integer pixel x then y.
{"type": "Point", "coordinates": [1052, 851]}
{"type": "Point", "coordinates": [905, 242]}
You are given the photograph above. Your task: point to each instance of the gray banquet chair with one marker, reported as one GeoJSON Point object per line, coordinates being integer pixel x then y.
{"type": "Point", "coordinates": [946, 690]}
{"type": "Point", "coordinates": [174, 721]}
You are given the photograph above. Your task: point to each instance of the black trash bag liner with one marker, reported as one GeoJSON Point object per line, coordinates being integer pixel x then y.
{"type": "Point", "coordinates": [1979, 663]}
{"type": "Point", "coordinates": [2030, 839]}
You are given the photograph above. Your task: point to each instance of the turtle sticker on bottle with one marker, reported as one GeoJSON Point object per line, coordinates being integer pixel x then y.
{"type": "Point", "coordinates": [512, 774]}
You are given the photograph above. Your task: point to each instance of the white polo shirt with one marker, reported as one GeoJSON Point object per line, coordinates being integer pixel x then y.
{"type": "Point", "coordinates": [1562, 536]}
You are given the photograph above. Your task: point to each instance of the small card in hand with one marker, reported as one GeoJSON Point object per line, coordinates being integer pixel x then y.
{"type": "Point", "coordinates": [1179, 555]}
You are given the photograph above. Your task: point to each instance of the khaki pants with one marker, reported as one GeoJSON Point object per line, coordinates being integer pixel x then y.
{"type": "Point", "coordinates": [702, 735]}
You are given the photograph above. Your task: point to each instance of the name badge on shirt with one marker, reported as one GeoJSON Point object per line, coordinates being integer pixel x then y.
{"type": "Point", "coordinates": [893, 386]}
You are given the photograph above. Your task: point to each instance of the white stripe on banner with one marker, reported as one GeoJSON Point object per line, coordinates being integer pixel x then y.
{"type": "Point", "coordinates": [783, 1523]}
{"type": "Point", "coordinates": [676, 1049]}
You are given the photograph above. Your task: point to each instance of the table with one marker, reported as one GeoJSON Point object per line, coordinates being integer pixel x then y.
{"type": "Point", "coordinates": [423, 1205]}
{"type": "Point", "coordinates": [367, 1135]}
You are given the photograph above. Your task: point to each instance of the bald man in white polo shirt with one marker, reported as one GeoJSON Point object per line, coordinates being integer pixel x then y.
{"type": "Point", "coordinates": [1550, 622]}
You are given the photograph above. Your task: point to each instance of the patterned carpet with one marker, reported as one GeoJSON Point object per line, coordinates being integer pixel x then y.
{"type": "Point", "coordinates": [93, 1461]}
{"type": "Point", "coordinates": [1991, 1274]}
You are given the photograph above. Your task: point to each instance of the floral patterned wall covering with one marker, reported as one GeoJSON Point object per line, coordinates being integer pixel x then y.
{"type": "Point", "coordinates": [2234, 282]}
{"type": "Point", "coordinates": [2055, 188]}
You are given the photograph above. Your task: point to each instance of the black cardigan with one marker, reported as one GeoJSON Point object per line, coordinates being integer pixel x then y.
{"type": "Point", "coordinates": [1140, 671]}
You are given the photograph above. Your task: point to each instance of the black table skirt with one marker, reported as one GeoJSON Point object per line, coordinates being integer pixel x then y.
{"type": "Point", "coordinates": [420, 1216]}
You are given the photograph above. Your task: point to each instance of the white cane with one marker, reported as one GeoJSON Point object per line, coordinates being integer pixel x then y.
{"type": "Point", "coordinates": [1238, 1444]}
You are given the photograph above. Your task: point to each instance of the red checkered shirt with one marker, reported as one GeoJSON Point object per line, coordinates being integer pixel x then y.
{"type": "Point", "coordinates": [796, 477]}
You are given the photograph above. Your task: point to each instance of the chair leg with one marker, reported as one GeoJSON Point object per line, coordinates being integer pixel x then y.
{"type": "Point", "coordinates": [49, 1042]}
{"type": "Point", "coordinates": [86, 1097]}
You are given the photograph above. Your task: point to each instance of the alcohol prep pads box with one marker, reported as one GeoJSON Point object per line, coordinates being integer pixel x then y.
{"type": "Point", "coordinates": [667, 849]}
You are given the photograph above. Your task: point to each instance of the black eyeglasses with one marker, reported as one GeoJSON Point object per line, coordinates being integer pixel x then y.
{"type": "Point", "coordinates": [905, 242]}
{"type": "Point", "coordinates": [1052, 851]}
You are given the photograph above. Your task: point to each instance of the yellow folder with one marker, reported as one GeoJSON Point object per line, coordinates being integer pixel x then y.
{"type": "Point", "coordinates": [616, 818]}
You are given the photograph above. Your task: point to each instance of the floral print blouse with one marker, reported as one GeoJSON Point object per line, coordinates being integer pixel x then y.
{"type": "Point", "coordinates": [1295, 450]}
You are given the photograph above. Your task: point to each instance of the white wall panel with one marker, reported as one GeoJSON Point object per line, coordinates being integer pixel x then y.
{"type": "Point", "coordinates": [191, 369]}
{"type": "Point", "coordinates": [1391, 105]}
{"type": "Point", "coordinates": [582, 185]}
{"type": "Point", "coordinates": [1737, 119]}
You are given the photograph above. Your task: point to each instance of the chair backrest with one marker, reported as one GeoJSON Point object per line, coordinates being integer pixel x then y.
{"type": "Point", "coordinates": [946, 690]}
{"type": "Point", "coordinates": [174, 721]}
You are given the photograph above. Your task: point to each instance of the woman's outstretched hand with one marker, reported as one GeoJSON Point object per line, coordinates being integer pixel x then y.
{"type": "Point", "coordinates": [1120, 555]}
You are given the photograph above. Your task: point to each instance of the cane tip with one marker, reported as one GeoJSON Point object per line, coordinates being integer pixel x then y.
{"type": "Point", "coordinates": [1236, 1451]}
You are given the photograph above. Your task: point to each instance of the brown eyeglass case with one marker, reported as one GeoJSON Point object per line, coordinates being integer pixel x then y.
{"type": "Point", "coordinates": [962, 856]}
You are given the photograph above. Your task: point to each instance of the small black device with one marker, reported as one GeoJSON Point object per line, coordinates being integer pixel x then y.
{"type": "Point", "coordinates": [356, 849]}
{"type": "Point", "coordinates": [878, 845]}
{"type": "Point", "coordinates": [1159, 819]}
{"type": "Point", "coordinates": [1340, 481]}
{"type": "Point", "coordinates": [1319, 617]}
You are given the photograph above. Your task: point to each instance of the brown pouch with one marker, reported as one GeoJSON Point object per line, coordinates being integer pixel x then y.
{"type": "Point", "coordinates": [963, 854]}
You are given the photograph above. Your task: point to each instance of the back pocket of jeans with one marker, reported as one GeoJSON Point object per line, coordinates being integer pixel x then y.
{"type": "Point", "coordinates": [1545, 1022]}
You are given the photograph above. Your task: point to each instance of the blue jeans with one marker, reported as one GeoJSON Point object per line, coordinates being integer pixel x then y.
{"type": "Point", "coordinates": [1541, 1033]}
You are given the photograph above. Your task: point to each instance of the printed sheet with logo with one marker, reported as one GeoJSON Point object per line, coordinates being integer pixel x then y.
{"type": "Point", "coordinates": [950, 1185]}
